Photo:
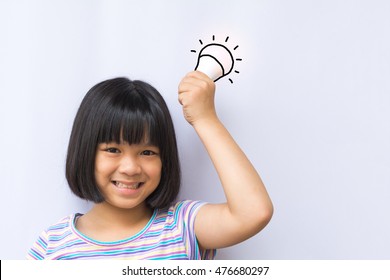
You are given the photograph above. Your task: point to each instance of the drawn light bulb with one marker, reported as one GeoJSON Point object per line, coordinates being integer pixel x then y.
{"type": "Point", "coordinates": [216, 60]}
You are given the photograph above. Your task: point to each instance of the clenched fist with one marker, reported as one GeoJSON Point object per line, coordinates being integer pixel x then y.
{"type": "Point", "coordinates": [196, 95]}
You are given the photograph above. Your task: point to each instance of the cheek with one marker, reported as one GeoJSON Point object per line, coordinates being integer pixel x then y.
{"type": "Point", "coordinates": [99, 175]}
{"type": "Point", "coordinates": [98, 163]}
{"type": "Point", "coordinates": [102, 169]}
{"type": "Point", "coordinates": [154, 170]}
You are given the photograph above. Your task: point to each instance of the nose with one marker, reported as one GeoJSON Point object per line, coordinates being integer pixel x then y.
{"type": "Point", "coordinates": [129, 166]}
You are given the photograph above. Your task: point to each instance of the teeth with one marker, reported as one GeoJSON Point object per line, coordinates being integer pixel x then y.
{"type": "Point", "coordinates": [124, 186]}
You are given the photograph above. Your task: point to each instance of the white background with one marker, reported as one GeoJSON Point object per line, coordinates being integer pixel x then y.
{"type": "Point", "coordinates": [310, 107]}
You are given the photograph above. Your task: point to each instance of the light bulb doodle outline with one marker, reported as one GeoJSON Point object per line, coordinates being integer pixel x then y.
{"type": "Point", "coordinates": [211, 51]}
{"type": "Point", "coordinates": [224, 73]}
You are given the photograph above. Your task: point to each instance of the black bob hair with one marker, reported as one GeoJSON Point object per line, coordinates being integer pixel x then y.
{"type": "Point", "coordinates": [119, 110]}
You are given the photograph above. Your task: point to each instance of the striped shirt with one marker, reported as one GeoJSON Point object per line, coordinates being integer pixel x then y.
{"type": "Point", "coordinates": [169, 234]}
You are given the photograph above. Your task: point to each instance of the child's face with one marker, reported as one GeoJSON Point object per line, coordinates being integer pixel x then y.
{"type": "Point", "coordinates": [127, 174]}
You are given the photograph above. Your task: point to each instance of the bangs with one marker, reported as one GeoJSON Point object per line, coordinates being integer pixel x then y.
{"type": "Point", "coordinates": [129, 119]}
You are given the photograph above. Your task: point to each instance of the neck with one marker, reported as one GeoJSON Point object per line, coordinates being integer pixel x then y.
{"type": "Point", "coordinates": [107, 223]}
{"type": "Point", "coordinates": [108, 215]}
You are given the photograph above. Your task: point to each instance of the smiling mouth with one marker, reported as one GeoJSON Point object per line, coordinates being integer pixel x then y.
{"type": "Point", "coordinates": [133, 186]}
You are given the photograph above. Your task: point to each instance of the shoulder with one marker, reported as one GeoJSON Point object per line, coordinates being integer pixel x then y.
{"type": "Point", "coordinates": [64, 224]}
{"type": "Point", "coordinates": [185, 208]}
{"type": "Point", "coordinates": [178, 213]}
{"type": "Point", "coordinates": [52, 234]}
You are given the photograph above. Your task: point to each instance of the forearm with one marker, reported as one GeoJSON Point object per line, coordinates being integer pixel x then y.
{"type": "Point", "coordinates": [245, 193]}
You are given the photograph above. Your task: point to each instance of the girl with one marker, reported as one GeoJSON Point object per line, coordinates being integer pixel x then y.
{"type": "Point", "coordinates": [122, 155]}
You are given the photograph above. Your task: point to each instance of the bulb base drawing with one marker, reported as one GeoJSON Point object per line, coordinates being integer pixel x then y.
{"type": "Point", "coordinates": [215, 60]}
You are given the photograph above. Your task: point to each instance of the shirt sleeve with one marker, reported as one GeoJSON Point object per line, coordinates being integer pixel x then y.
{"type": "Point", "coordinates": [186, 211]}
{"type": "Point", "coordinates": [38, 250]}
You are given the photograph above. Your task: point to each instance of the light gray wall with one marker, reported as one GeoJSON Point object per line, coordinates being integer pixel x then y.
{"type": "Point", "coordinates": [310, 108]}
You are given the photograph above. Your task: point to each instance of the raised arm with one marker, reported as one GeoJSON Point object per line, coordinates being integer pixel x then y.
{"type": "Point", "coordinates": [248, 208]}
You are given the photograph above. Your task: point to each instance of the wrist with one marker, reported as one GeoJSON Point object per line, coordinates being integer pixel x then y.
{"type": "Point", "coordinates": [206, 124]}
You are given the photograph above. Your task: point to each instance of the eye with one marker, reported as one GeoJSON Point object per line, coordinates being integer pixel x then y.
{"type": "Point", "coordinates": [148, 153]}
{"type": "Point", "coordinates": [112, 150]}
